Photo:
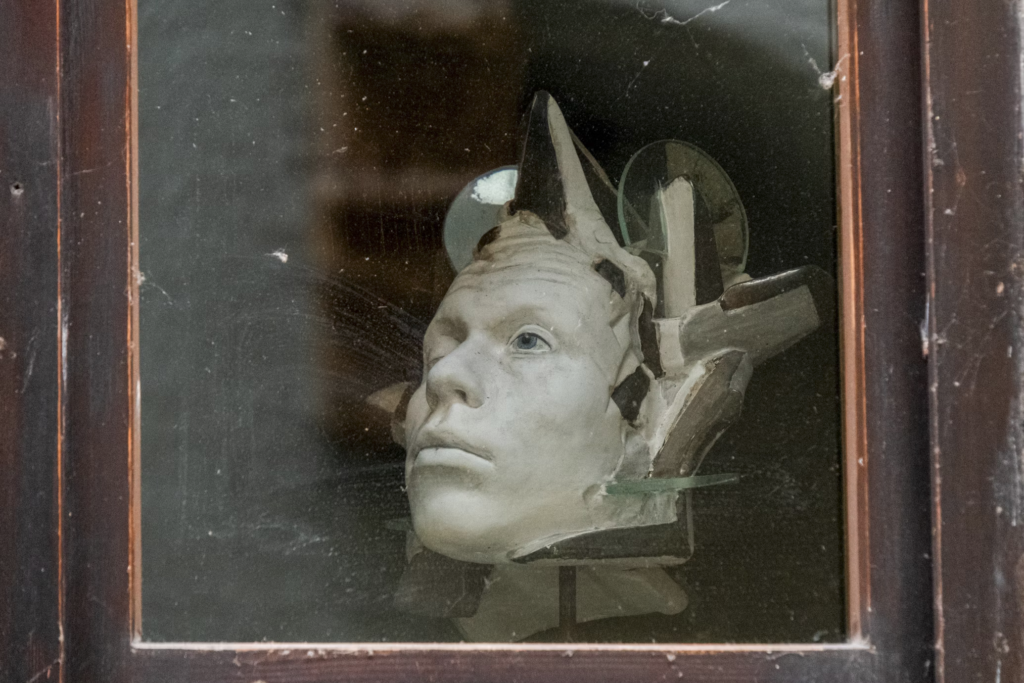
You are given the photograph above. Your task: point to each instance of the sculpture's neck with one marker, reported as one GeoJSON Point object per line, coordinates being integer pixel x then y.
{"type": "Point", "coordinates": [521, 601]}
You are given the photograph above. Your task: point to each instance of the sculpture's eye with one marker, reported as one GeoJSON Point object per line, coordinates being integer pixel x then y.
{"type": "Point", "coordinates": [530, 341]}
{"type": "Point", "coordinates": [527, 341]}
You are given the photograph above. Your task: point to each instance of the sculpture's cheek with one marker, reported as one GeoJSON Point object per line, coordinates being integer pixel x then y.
{"type": "Point", "coordinates": [559, 422]}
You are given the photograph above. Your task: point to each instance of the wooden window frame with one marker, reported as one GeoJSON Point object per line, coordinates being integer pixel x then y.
{"type": "Point", "coordinates": [68, 490]}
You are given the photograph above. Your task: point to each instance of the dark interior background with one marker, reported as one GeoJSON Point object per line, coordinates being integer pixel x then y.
{"type": "Point", "coordinates": [296, 161]}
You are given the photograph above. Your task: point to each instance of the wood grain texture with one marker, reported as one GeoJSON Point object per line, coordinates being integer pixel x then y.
{"type": "Point", "coordinates": [95, 242]}
{"type": "Point", "coordinates": [30, 610]}
{"type": "Point", "coordinates": [975, 238]}
{"type": "Point", "coordinates": [891, 212]}
{"type": "Point", "coordinates": [564, 663]}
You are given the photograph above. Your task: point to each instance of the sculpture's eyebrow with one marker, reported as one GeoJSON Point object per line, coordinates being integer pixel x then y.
{"type": "Point", "coordinates": [514, 317]}
{"type": "Point", "coordinates": [454, 326]}
{"type": "Point", "coordinates": [445, 324]}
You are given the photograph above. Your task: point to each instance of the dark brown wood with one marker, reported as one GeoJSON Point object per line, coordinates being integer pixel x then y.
{"type": "Point", "coordinates": [311, 664]}
{"type": "Point", "coordinates": [95, 243]}
{"type": "Point", "coordinates": [30, 610]}
{"type": "Point", "coordinates": [884, 293]}
{"type": "Point", "coordinates": [976, 236]}
{"type": "Point", "coordinates": [890, 204]}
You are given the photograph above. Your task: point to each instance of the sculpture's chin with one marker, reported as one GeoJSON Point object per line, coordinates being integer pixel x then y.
{"type": "Point", "coordinates": [457, 526]}
{"type": "Point", "coordinates": [457, 512]}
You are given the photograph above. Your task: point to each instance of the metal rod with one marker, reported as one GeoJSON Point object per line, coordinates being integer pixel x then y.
{"type": "Point", "coordinates": [567, 602]}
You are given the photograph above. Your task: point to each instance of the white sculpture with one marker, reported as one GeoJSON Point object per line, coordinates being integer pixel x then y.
{"type": "Point", "coordinates": [559, 422]}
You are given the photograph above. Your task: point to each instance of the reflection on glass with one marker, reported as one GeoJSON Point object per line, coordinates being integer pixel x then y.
{"type": "Point", "coordinates": [555, 383]}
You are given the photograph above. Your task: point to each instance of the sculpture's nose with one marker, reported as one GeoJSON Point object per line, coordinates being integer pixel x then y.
{"type": "Point", "coordinates": [458, 377]}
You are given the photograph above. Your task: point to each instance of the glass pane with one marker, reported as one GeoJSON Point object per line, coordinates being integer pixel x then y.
{"type": "Point", "coordinates": [501, 320]}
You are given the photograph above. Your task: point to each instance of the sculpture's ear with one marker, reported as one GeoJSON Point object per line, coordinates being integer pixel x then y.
{"type": "Point", "coordinates": [557, 175]}
{"type": "Point", "coordinates": [393, 400]}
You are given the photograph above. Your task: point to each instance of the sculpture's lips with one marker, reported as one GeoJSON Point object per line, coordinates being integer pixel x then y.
{"type": "Point", "coordinates": [450, 456]}
{"type": "Point", "coordinates": [444, 439]}
{"type": "Point", "coordinates": [444, 450]}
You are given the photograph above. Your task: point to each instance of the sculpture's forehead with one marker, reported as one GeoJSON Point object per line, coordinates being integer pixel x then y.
{"type": "Point", "coordinates": [566, 287]}
{"type": "Point", "coordinates": [508, 263]}
{"type": "Point", "coordinates": [526, 274]}
{"type": "Point", "coordinates": [524, 258]}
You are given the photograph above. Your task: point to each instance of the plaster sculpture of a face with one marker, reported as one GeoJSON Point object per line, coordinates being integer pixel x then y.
{"type": "Point", "coordinates": [547, 380]}
{"type": "Point", "coordinates": [513, 431]}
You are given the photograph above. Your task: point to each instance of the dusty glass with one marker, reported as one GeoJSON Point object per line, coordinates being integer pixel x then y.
{"type": "Point", "coordinates": [318, 184]}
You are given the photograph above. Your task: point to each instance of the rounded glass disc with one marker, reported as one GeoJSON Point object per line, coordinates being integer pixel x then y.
{"type": "Point", "coordinates": [653, 169]}
{"type": "Point", "coordinates": [476, 209]}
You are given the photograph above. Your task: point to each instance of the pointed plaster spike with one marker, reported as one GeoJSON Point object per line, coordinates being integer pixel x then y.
{"type": "Point", "coordinates": [587, 221]}
{"type": "Point", "coordinates": [539, 187]}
